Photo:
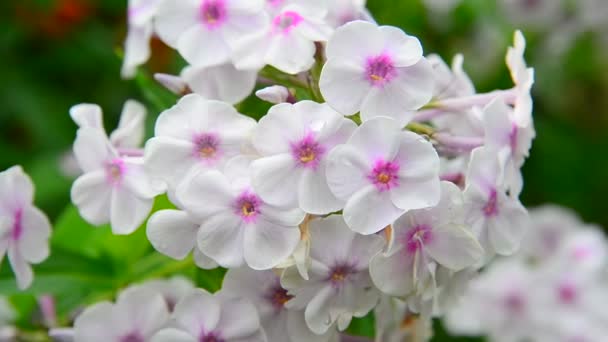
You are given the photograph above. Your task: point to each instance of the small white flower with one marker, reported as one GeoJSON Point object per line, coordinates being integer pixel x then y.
{"type": "Point", "coordinates": [263, 289]}
{"type": "Point", "coordinates": [423, 237]}
{"type": "Point", "coordinates": [24, 229]}
{"type": "Point", "coordinates": [275, 94]}
{"type": "Point", "coordinates": [141, 14]}
{"type": "Point", "coordinates": [135, 317]}
{"type": "Point", "coordinates": [237, 225]}
{"type": "Point", "coordinates": [382, 172]}
{"type": "Point", "coordinates": [498, 220]}
{"type": "Point", "coordinates": [294, 141]}
{"type": "Point", "coordinates": [379, 71]}
{"type": "Point", "coordinates": [288, 43]}
{"type": "Point", "coordinates": [201, 316]}
{"type": "Point", "coordinates": [205, 32]}
{"type": "Point", "coordinates": [339, 286]}
{"type": "Point", "coordinates": [195, 133]}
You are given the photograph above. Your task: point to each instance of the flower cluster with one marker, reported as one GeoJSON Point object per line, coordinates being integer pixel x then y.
{"type": "Point", "coordinates": [553, 290]}
{"type": "Point", "coordinates": [379, 173]}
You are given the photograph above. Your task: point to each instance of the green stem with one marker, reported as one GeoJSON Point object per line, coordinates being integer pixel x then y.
{"type": "Point", "coordinates": [421, 129]}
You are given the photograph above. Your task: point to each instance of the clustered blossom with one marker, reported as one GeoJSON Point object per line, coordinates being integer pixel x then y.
{"type": "Point", "coordinates": [558, 276]}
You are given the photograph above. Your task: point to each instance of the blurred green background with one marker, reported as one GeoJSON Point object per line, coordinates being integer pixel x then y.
{"type": "Point", "coordinates": [57, 53]}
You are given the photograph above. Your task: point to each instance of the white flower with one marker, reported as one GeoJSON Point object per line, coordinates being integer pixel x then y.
{"type": "Point", "coordinates": [263, 289]}
{"type": "Point", "coordinates": [195, 133]}
{"type": "Point", "coordinates": [498, 220]}
{"type": "Point", "coordinates": [288, 43]}
{"type": "Point", "coordinates": [237, 226]}
{"type": "Point", "coordinates": [172, 289]}
{"type": "Point", "coordinates": [275, 94]}
{"type": "Point", "coordinates": [220, 82]}
{"type": "Point", "coordinates": [294, 141]}
{"type": "Point", "coordinates": [173, 233]}
{"type": "Point", "coordinates": [141, 13]}
{"type": "Point", "coordinates": [379, 71]}
{"type": "Point", "coordinates": [205, 32]}
{"type": "Point", "coordinates": [113, 189]}
{"type": "Point", "coordinates": [24, 229]}
{"type": "Point", "coordinates": [339, 286]}
{"type": "Point", "coordinates": [201, 316]}
{"type": "Point", "coordinates": [135, 317]}
{"type": "Point", "coordinates": [423, 237]}
{"type": "Point", "coordinates": [381, 173]}
{"type": "Point", "coordinates": [523, 77]}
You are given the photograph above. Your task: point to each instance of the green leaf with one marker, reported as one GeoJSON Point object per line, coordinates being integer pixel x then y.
{"type": "Point", "coordinates": [364, 326]}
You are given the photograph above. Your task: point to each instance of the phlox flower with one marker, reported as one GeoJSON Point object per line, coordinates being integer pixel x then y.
{"type": "Point", "coordinates": [424, 237]}
{"type": "Point", "coordinates": [264, 290]}
{"type": "Point", "coordinates": [24, 229]}
{"type": "Point", "coordinates": [114, 188]}
{"type": "Point", "coordinates": [237, 226]}
{"type": "Point", "coordinates": [140, 15]}
{"type": "Point", "coordinates": [498, 220]}
{"type": "Point", "coordinates": [201, 316]}
{"type": "Point", "coordinates": [172, 289]}
{"type": "Point", "coordinates": [205, 31]}
{"type": "Point", "coordinates": [339, 286]}
{"type": "Point", "coordinates": [382, 172]}
{"type": "Point", "coordinates": [377, 70]}
{"type": "Point", "coordinates": [294, 141]}
{"type": "Point", "coordinates": [195, 133]}
{"type": "Point", "coordinates": [396, 323]}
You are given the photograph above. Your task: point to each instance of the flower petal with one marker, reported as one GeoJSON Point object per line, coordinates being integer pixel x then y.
{"type": "Point", "coordinates": [23, 271]}
{"type": "Point", "coordinates": [343, 85]}
{"type": "Point", "coordinates": [393, 274]}
{"type": "Point", "coordinates": [198, 311]}
{"type": "Point", "coordinates": [33, 243]}
{"type": "Point", "coordinates": [172, 335]}
{"type": "Point", "coordinates": [128, 211]}
{"type": "Point", "coordinates": [368, 211]}
{"type": "Point", "coordinates": [346, 171]}
{"type": "Point", "coordinates": [221, 238]}
{"type": "Point", "coordinates": [454, 247]}
{"type": "Point", "coordinates": [275, 179]}
{"type": "Point", "coordinates": [91, 194]}
{"type": "Point", "coordinates": [314, 196]}
{"type": "Point", "coordinates": [172, 233]}
{"type": "Point", "coordinates": [267, 244]}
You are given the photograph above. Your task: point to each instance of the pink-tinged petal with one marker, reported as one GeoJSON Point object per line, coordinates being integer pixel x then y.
{"type": "Point", "coordinates": [393, 274]}
{"type": "Point", "coordinates": [247, 324]}
{"type": "Point", "coordinates": [417, 157]}
{"type": "Point", "coordinates": [275, 179]}
{"type": "Point", "coordinates": [175, 17]}
{"type": "Point", "coordinates": [194, 45]}
{"type": "Point", "coordinates": [92, 324]}
{"type": "Point", "coordinates": [245, 6]}
{"type": "Point", "coordinates": [128, 211]}
{"type": "Point", "coordinates": [330, 239]}
{"type": "Point", "coordinates": [355, 41]}
{"type": "Point", "coordinates": [33, 243]}
{"type": "Point", "coordinates": [416, 193]}
{"type": "Point", "coordinates": [131, 130]}
{"type": "Point", "coordinates": [197, 311]}
{"type": "Point", "coordinates": [16, 190]}
{"type": "Point", "coordinates": [137, 181]}
{"type": "Point", "coordinates": [221, 238]}
{"type": "Point", "coordinates": [282, 125]}
{"type": "Point", "coordinates": [168, 158]}
{"type": "Point", "coordinates": [282, 216]}
{"type": "Point", "coordinates": [368, 211]}
{"type": "Point", "coordinates": [143, 308]}
{"type": "Point", "coordinates": [172, 335]}
{"type": "Point", "coordinates": [267, 244]}
{"type": "Point", "coordinates": [405, 50]}
{"type": "Point", "coordinates": [222, 82]}
{"type": "Point", "coordinates": [203, 261]}
{"type": "Point", "coordinates": [92, 195]}
{"type": "Point", "coordinates": [507, 229]}
{"type": "Point", "coordinates": [346, 171]}
{"type": "Point", "coordinates": [92, 149]}
{"type": "Point", "coordinates": [172, 233]}
{"type": "Point", "coordinates": [314, 195]}
{"type": "Point", "coordinates": [497, 124]}
{"type": "Point", "coordinates": [454, 247]}
{"type": "Point", "coordinates": [206, 193]}
{"type": "Point", "coordinates": [377, 139]}
{"type": "Point", "coordinates": [87, 115]}
{"type": "Point", "coordinates": [291, 54]}
{"type": "Point", "coordinates": [485, 170]}
{"type": "Point", "coordinates": [343, 85]}
{"type": "Point", "coordinates": [137, 49]}
{"type": "Point", "coordinates": [23, 271]}
{"type": "Point", "coordinates": [317, 314]}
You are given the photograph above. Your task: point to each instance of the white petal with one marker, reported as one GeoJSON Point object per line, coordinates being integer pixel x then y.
{"type": "Point", "coordinates": [174, 18]}
{"type": "Point", "coordinates": [317, 313]}
{"type": "Point", "coordinates": [377, 139]}
{"type": "Point", "coordinates": [247, 323]}
{"type": "Point", "coordinates": [393, 274]}
{"type": "Point", "coordinates": [23, 271]}
{"type": "Point", "coordinates": [128, 211]}
{"type": "Point", "coordinates": [92, 324]}
{"type": "Point", "coordinates": [276, 130]}
{"type": "Point", "coordinates": [92, 149]}
{"type": "Point", "coordinates": [168, 158]}
{"type": "Point", "coordinates": [221, 238]}
{"type": "Point", "coordinates": [136, 180]}
{"type": "Point", "coordinates": [346, 171]}
{"type": "Point", "coordinates": [405, 50]}
{"type": "Point", "coordinates": [368, 211]}
{"type": "Point", "coordinates": [314, 196]}
{"type": "Point", "coordinates": [273, 94]}
{"type": "Point", "coordinates": [355, 41]}
{"type": "Point", "coordinates": [206, 193]}
{"type": "Point", "coordinates": [267, 244]}
{"type": "Point", "coordinates": [131, 128]}
{"type": "Point", "coordinates": [16, 190]}
{"type": "Point", "coordinates": [172, 233]}
{"type": "Point", "coordinates": [291, 54]}
{"type": "Point", "coordinates": [222, 82]}
{"type": "Point", "coordinates": [87, 115]}
{"type": "Point", "coordinates": [143, 308]}
{"type": "Point", "coordinates": [508, 228]}
{"type": "Point", "coordinates": [343, 85]}
{"type": "Point", "coordinates": [137, 49]}
{"type": "Point", "coordinates": [454, 247]}
{"type": "Point", "coordinates": [91, 194]}
{"type": "Point", "coordinates": [196, 43]}
{"type": "Point", "coordinates": [197, 311]}
{"type": "Point", "coordinates": [275, 179]}
{"type": "Point", "coordinates": [33, 243]}
{"type": "Point", "coordinates": [203, 261]}
{"type": "Point", "coordinates": [172, 335]}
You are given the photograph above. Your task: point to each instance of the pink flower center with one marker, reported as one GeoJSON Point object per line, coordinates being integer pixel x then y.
{"type": "Point", "coordinates": [416, 237]}
{"type": "Point", "coordinates": [307, 152]}
{"type": "Point", "coordinates": [247, 206]}
{"type": "Point", "coordinates": [115, 171]}
{"type": "Point", "coordinates": [278, 296]}
{"type": "Point", "coordinates": [341, 273]}
{"type": "Point", "coordinates": [206, 146]}
{"type": "Point", "coordinates": [384, 175]}
{"type": "Point", "coordinates": [491, 207]}
{"type": "Point", "coordinates": [213, 13]}
{"type": "Point", "coordinates": [513, 138]}
{"type": "Point", "coordinates": [567, 293]}
{"type": "Point", "coordinates": [210, 337]}
{"type": "Point", "coordinates": [514, 302]}
{"type": "Point", "coordinates": [17, 229]}
{"type": "Point", "coordinates": [132, 337]}
{"type": "Point", "coordinates": [286, 21]}
{"type": "Point", "coordinates": [380, 70]}
{"type": "Point", "coordinates": [275, 3]}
